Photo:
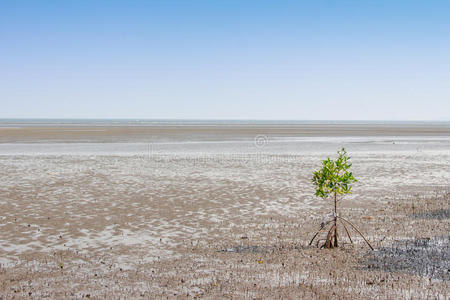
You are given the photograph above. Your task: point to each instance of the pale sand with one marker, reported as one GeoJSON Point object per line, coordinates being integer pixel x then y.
{"type": "Point", "coordinates": [220, 218]}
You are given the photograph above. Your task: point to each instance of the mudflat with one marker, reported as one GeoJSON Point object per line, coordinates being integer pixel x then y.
{"type": "Point", "coordinates": [221, 211]}
{"type": "Point", "coordinates": [16, 132]}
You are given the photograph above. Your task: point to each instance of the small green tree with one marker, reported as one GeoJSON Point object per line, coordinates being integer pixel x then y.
{"type": "Point", "coordinates": [332, 180]}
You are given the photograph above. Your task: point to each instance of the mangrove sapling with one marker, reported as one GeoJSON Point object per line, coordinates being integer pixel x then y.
{"type": "Point", "coordinates": [332, 180]}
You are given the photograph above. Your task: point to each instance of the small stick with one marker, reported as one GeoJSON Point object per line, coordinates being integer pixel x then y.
{"type": "Point", "coordinates": [348, 234]}
{"type": "Point", "coordinates": [357, 231]}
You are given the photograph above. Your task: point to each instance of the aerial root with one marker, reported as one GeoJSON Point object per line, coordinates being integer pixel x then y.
{"type": "Point", "coordinates": [318, 231]}
{"type": "Point", "coordinates": [346, 230]}
{"type": "Point", "coordinates": [329, 241]}
{"type": "Point", "coordinates": [354, 227]}
{"type": "Point", "coordinates": [331, 238]}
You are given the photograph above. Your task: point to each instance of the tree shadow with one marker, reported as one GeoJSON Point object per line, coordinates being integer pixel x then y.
{"type": "Point", "coordinates": [429, 257]}
{"type": "Point", "coordinates": [438, 214]}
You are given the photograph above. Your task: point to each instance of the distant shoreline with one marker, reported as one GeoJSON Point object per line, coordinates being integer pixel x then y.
{"type": "Point", "coordinates": [129, 132]}
{"type": "Point", "coordinates": [29, 122]}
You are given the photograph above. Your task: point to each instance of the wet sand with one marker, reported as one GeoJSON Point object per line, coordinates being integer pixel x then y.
{"type": "Point", "coordinates": [200, 211]}
{"type": "Point", "coordinates": [110, 133]}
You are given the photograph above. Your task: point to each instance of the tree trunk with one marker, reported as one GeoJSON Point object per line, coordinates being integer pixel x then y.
{"type": "Point", "coordinates": [335, 221]}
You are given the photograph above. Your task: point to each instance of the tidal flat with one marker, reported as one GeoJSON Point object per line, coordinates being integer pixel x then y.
{"type": "Point", "coordinates": [213, 213]}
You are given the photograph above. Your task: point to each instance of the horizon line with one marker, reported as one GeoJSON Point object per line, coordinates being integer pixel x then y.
{"type": "Point", "coordinates": [222, 119]}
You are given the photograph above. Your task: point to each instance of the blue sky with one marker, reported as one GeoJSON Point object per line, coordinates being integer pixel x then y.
{"type": "Point", "coordinates": [360, 60]}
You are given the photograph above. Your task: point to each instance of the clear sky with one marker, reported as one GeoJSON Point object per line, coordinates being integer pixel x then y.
{"type": "Point", "coordinates": [363, 60]}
